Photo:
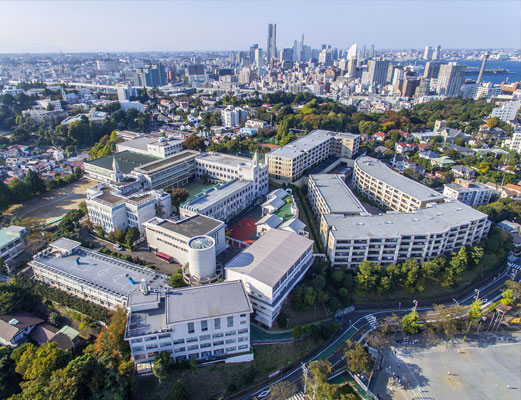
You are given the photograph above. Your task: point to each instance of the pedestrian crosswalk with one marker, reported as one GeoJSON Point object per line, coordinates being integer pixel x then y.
{"type": "Point", "coordinates": [372, 321]}
{"type": "Point", "coordinates": [298, 396]}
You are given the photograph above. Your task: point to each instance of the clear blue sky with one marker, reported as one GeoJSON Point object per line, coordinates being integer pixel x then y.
{"type": "Point", "coordinates": [44, 26]}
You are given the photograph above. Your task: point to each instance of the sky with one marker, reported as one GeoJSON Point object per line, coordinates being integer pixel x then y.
{"type": "Point", "coordinates": [92, 26]}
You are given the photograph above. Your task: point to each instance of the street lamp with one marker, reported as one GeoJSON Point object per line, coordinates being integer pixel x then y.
{"type": "Point", "coordinates": [415, 304]}
{"type": "Point", "coordinates": [477, 294]}
{"type": "Point", "coordinates": [456, 301]}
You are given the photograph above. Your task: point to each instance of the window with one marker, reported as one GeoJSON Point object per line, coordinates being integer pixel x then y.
{"type": "Point", "coordinates": [242, 331]}
{"type": "Point", "coordinates": [218, 343]}
{"type": "Point", "coordinates": [193, 347]}
{"type": "Point", "coordinates": [205, 345]}
{"type": "Point", "coordinates": [231, 349]}
{"type": "Point", "coordinates": [243, 347]}
{"type": "Point", "coordinates": [191, 339]}
{"type": "Point", "coordinates": [218, 335]}
{"type": "Point", "coordinates": [179, 350]}
{"type": "Point", "coordinates": [204, 325]}
{"type": "Point", "coordinates": [228, 341]}
{"type": "Point", "coordinates": [229, 322]}
{"type": "Point", "coordinates": [230, 333]}
{"type": "Point", "coordinates": [217, 323]}
{"type": "Point", "coordinates": [243, 339]}
{"type": "Point", "coordinates": [179, 341]}
{"type": "Point", "coordinates": [191, 328]}
{"type": "Point", "coordinates": [204, 337]}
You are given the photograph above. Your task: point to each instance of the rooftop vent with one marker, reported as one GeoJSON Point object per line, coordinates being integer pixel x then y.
{"type": "Point", "coordinates": [415, 219]}
{"type": "Point", "coordinates": [14, 321]}
{"type": "Point", "coordinates": [360, 224]}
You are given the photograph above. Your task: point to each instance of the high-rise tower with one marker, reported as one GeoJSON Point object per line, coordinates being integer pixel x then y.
{"type": "Point", "coordinates": [272, 41]}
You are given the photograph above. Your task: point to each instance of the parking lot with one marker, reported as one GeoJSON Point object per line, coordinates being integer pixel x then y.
{"type": "Point", "coordinates": [483, 367]}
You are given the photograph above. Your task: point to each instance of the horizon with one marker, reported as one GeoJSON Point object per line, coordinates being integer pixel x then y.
{"type": "Point", "coordinates": [206, 26]}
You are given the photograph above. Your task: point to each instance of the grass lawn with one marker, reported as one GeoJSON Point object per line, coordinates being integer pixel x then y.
{"type": "Point", "coordinates": [215, 381]}
{"type": "Point", "coordinates": [285, 211]}
{"type": "Point", "coordinates": [303, 317]}
{"type": "Point", "coordinates": [195, 187]}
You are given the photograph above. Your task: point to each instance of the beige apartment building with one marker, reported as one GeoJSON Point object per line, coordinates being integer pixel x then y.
{"type": "Point", "coordinates": [289, 162]}
{"type": "Point", "coordinates": [391, 189]}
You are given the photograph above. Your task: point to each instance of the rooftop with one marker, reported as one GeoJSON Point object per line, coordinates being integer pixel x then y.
{"type": "Point", "coordinates": [337, 195]}
{"type": "Point", "coordinates": [188, 304]}
{"type": "Point", "coordinates": [155, 164]}
{"type": "Point", "coordinates": [215, 194]}
{"type": "Point", "coordinates": [9, 234]}
{"type": "Point", "coordinates": [127, 161]}
{"type": "Point", "coordinates": [382, 172]}
{"type": "Point", "coordinates": [198, 225]}
{"type": "Point", "coordinates": [296, 148]}
{"type": "Point", "coordinates": [268, 259]}
{"type": "Point", "coordinates": [224, 159]}
{"type": "Point", "coordinates": [96, 269]}
{"type": "Point", "coordinates": [437, 218]}
{"type": "Point", "coordinates": [139, 143]}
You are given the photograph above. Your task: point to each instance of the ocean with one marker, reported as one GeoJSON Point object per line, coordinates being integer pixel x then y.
{"type": "Point", "coordinates": [514, 67]}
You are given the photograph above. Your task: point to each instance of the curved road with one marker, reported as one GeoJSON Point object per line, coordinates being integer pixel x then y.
{"type": "Point", "coordinates": [366, 319]}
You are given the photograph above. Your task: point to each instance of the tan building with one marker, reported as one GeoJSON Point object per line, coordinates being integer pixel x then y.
{"type": "Point", "coordinates": [288, 163]}
{"type": "Point", "coordinates": [391, 189]}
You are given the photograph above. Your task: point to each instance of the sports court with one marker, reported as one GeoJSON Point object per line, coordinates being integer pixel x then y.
{"type": "Point", "coordinates": [484, 368]}
{"type": "Point", "coordinates": [244, 230]}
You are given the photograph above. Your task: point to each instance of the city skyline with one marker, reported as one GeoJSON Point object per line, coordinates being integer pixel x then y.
{"type": "Point", "coordinates": [185, 26]}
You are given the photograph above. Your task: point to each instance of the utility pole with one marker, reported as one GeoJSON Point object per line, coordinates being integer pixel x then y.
{"type": "Point", "coordinates": [305, 371]}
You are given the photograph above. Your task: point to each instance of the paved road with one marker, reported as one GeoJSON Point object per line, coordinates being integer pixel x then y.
{"type": "Point", "coordinates": [355, 325]}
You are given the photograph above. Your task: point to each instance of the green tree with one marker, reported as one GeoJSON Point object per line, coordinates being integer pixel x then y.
{"type": "Point", "coordinates": [131, 236]}
{"type": "Point", "coordinates": [283, 390]}
{"type": "Point", "coordinates": [194, 143]}
{"type": "Point", "coordinates": [176, 280]}
{"type": "Point", "coordinates": [475, 313]}
{"type": "Point", "coordinates": [409, 322]}
{"type": "Point", "coordinates": [161, 364]}
{"type": "Point", "coordinates": [20, 190]}
{"type": "Point", "coordinates": [41, 361]}
{"type": "Point", "coordinates": [507, 297]}
{"type": "Point", "coordinates": [358, 359]}
{"type": "Point", "coordinates": [34, 182]}
{"type": "Point", "coordinates": [178, 195]}
{"type": "Point", "coordinates": [179, 391]}
{"type": "Point", "coordinates": [297, 332]}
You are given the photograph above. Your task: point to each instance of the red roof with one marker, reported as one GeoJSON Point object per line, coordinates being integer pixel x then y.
{"type": "Point", "coordinates": [380, 134]}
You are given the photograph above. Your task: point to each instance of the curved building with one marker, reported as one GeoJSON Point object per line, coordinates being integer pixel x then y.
{"type": "Point", "coordinates": [201, 257]}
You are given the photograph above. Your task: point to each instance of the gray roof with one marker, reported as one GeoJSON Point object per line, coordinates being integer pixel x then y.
{"type": "Point", "coordinates": [270, 257]}
{"type": "Point", "coordinates": [272, 220]}
{"type": "Point", "coordinates": [127, 161]}
{"type": "Point", "coordinates": [96, 269]}
{"type": "Point", "coordinates": [224, 159]}
{"type": "Point", "coordinates": [65, 244]}
{"type": "Point", "coordinates": [196, 225]}
{"type": "Point", "coordinates": [337, 195]}
{"type": "Point", "coordinates": [472, 187]}
{"type": "Point", "coordinates": [382, 172]}
{"type": "Point", "coordinates": [294, 224]}
{"type": "Point", "coordinates": [437, 218]}
{"type": "Point", "coordinates": [139, 143]}
{"type": "Point", "coordinates": [215, 194]}
{"type": "Point", "coordinates": [296, 148]}
{"type": "Point", "coordinates": [156, 165]}
{"type": "Point", "coordinates": [206, 301]}
{"type": "Point", "coordinates": [187, 304]}
{"type": "Point", "coordinates": [312, 139]}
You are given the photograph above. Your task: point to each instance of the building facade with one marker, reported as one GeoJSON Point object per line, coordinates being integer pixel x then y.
{"type": "Point", "coordinates": [269, 269]}
{"type": "Point", "coordinates": [199, 322]}
{"type": "Point", "coordinates": [155, 147]}
{"type": "Point", "coordinates": [396, 237]}
{"type": "Point", "coordinates": [91, 275]}
{"type": "Point", "coordinates": [172, 237]}
{"type": "Point", "coordinates": [288, 163]}
{"type": "Point", "coordinates": [11, 242]}
{"type": "Point", "coordinates": [391, 189]}
{"type": "Point", "coordinates": [470, 193]}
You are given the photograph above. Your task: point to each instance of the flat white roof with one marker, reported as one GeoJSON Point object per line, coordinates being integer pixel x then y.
{"type": "Point", "coordinates": [223, 159]}
{"type": "Point", "coordinates": [304, 144]}
{"type": "Point", "coordinates": [216, 194]}
{"type": "Point", "coordinates": [337, 195]}
{"type": "Point", "coordinates": [268, 259]}
{"type": "Point", "coordinates": [96, 269]}
{"type": "Point", "coordinates": [382, 172]}
{"type": "Point", "coordinates": [437, 218]}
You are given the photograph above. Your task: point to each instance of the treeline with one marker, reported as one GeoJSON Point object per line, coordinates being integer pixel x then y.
{"type": "Point", "coordinates": [18, 190]}
{"type": "Point", "coordinates": [25, 294]}
{"type": "Point", "coordinates": [105, 146]}
{"type": "Point", "coordinates": [502, 209]}
{"type": "Point", "coordinates": [246, 146]}
{"type": "Point", "coordinates": [319, 113]}
{"type": "Point", "coordinates": [103, 371]}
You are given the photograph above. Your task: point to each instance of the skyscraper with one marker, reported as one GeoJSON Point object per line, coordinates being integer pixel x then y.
{"type": "Point", "coordinates": [259, 60]}
{"type": "Point", "coordinates": [272, 41]}
{"type": "Point", "coordinates": [353, 51]}
{"type": "Point", "coordinates": [451, 79]}
{"type": "Point", "coordinates": [432, 70]}
{"type": "Point", "coordinates": [377, 70]}
{"type": "Point", "coordinates": [427, 55]}
{"type": "Point", "coordinates": [151, 75]}
{"type": "Point", "coordinates": [436, 55]}
{"type": "Point", "coordinates": [253, 47]}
